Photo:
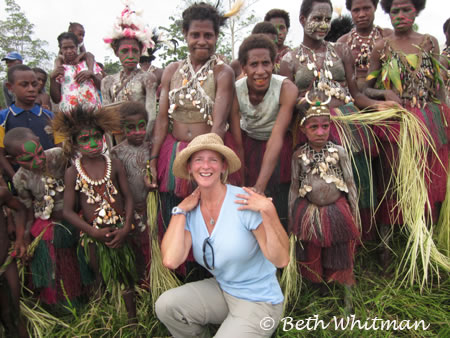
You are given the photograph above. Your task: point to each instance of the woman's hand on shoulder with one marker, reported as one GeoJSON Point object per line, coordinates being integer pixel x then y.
{"type": "Point", "coordinates": [191, 201]}
{"type": "Point", "coordinates": [254, 201]}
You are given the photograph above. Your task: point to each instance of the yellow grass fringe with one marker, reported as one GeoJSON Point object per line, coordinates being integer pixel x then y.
{"type": "Point", "coordinates": [443, 225]}
{"type": "Point", "coordinates": [421, 258]}
{"type": "Point", "coordinates": [291, 279]}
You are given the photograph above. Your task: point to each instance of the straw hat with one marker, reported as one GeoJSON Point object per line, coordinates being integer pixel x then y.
{"type": "Point", "coordinates": [209, 141]}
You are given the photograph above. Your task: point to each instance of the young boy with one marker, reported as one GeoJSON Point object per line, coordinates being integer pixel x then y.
{"type": "Point", "coordinates": [24, 112]}
{"type": "Point", "coordinates": [323, 203]}
{"type": "Point", "coordinates": [99, 186]}
{"type": "Point", "coordinates": [9, 277]}
{"type": "Point", "coordinates": [43, 99]}
{"type": "Point", "coordinates": [134, 153]}
{"type": "Point", "coordinates": [39, 183]}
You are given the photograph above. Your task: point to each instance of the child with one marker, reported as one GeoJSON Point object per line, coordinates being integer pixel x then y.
{"type": "Point", "coordinates": [39, 183]}
{"type": "Point", "coordinates": [43, 99]}
{"type": "Point", "coordinates": [9, 277]}
{"type": "Point", "coordinates": [134, 153]}
{"type": "Point", "coordinates": [78, 29]}
{"type": "Point", "coordinates": [323, 202]}
{"type": "Point", "coordinates": [98, 186]}
{"type": "Point", "coordinates": [72, 83]}
{"type": "Point", "coordinates": [24, 112]}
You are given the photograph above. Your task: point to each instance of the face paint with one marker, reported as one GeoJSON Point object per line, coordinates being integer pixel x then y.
{"type": "Point", "coordinates": [33, 156]}
{"type": "Point", "coordinates": [90, 141]}
{"type": "Point", "coordinates": [129, 53]}
{"type": "Point", "coordinates": [132, 129]}
{"type": "Point", "coordinates": [318, 21]}
{"type": "Point", "coordinates": [403, 13]}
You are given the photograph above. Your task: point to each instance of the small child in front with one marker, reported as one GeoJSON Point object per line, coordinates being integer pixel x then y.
{"type": "Point", "coordinates": [323, 203]}
{"type": "Point", "coordinates": [99, 186]}
{"type": "Point", "coordinates": [39, 183]}
{"type": "Point", "coordinates": [134, 153]}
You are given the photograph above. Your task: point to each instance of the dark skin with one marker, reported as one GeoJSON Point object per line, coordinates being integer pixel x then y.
{"type": "Point", "coordinates": [68, 49]}
{"type": "Point", "coordinates": [43, 99]}
{"type": "Point", "coordinates": [25, 89]}
{"type": "Point", "coordinates": [7, 309]}
{"type": "Point", "coordinates": [404, 39]}
{"type": "Point", "coordinates": [259, 68]}
{"type": "Point", "coordinates": [313, 38]}
{"type": "Point", "coordinates": [201, 39]}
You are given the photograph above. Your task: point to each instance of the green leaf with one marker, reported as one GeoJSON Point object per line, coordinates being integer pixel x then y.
{"type": "Point", "coordinates": [394, 75]}
{"type": "Point", "coordinates": [373, 75]}
{"type": "Point", "coordinates": [413, 60]}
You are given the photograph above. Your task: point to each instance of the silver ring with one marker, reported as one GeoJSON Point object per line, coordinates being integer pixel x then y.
{"type": "Point", "coordinates": [245, 202]}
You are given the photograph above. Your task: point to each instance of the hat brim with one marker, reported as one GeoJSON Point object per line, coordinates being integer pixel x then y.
{"type": "Point", "coordinates": [180, 164]}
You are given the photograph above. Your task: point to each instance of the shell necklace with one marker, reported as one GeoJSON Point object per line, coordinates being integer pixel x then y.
{"type": "Point", "coordinates": [98, 191]}
{"type": "Point", "coordinates": [43, 209]}
{"type": "Point", "coordinates": [365, 47]}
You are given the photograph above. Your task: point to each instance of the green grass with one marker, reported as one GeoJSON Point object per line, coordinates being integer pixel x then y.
{"type": "Point", "coordinates": [373, 296]}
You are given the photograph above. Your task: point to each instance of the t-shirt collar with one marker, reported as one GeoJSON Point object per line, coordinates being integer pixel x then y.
{"type": "Point", "coordinates": [36, 110]}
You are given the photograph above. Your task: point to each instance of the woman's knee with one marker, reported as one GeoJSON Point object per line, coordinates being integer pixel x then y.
{"type": "Point", "coordinates": [164, 305]}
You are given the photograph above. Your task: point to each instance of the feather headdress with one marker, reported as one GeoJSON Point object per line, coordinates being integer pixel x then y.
{"type": "Point", "coordinates": [131, 25]}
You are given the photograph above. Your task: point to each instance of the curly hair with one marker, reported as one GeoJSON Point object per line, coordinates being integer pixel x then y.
{"type": "Point", "coordinates": [69, 125]}
{"type": "Point", "coordinates": [131, 108]}
{"type": "Point", "coordinates": [419, 5]}
{"type": "Point", "coordinates": [278, 13]}
{"type": "Point", "coordinates": [16, 68]}
{"type": "Point", "coordinates": [256, 41]}
{"type": "Point", "coordinates": [264, 28]}
{"type": "Point", "coordinates": [307, 5]}
{"type": "Point", "coordinates": [67, 36]}
{"type": "Point", "coordinates": [115, 44]}
{"type": "Point", "coordinates": [202, 11]}
{"type": "Point", "coordinates": [349, 3]}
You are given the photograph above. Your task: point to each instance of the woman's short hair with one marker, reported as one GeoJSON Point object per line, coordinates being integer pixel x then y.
{"type": "Point", "coordinates": [419, 5]}
{"type": "Point", "coordinates": [256, 41]}
{"type": "Point", "coordinates": [67, 36]}
{"type": "Point", "coordinates": [202, 11]}
{"type": "Point", "coordinates": [349, 3]}
{"type": "Point", "coordinates": [307, 5]}
{"type": "Point", "coordinates": [278, 13]}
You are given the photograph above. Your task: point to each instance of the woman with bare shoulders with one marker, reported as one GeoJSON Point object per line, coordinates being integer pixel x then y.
{"type": "Point", "coordinates": [362, 38]}
{"type": "Point", "coordinates": [416, 85]}
{"type": "Point", "coordinates": [196, 98]}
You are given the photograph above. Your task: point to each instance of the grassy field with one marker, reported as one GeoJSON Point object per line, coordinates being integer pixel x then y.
{"type": "Point", "coordinates": [374, 296]}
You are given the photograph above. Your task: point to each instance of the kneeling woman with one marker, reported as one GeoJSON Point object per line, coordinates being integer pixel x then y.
{"type": "Point", "coordinates": [236, 234]}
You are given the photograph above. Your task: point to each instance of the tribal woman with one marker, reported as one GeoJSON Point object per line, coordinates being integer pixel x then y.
{"type": "Point", "coordinates": [404, 68]}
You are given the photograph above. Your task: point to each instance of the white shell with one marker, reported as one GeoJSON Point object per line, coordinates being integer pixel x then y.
{"type": "Point", "coordinates": [102, 213]}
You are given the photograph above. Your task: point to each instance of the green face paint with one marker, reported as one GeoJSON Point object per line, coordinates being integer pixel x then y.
{"type": "Point", "coordinates": [138, 128]}
{"type": "Point", "coordinates": [33, 156]}
{"type": "Point", "coordinates": [90, 141]}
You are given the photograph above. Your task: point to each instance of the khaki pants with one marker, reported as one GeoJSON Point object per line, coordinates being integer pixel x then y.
{"type": "Point", "coordinates": [187, 310]}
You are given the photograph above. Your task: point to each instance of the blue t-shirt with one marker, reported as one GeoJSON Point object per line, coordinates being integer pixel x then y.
{"type": "Point", "coordinates": [240, 267]}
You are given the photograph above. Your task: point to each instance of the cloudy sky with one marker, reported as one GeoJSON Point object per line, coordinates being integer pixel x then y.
{"type": "Point", "coordinates": [52, 17]}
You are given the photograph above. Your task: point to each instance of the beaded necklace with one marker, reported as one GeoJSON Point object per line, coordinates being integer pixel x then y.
{"type": "Point", "coordinates": [192, 89]}
{"type": "Point", "coordinates": [98, 191]}
{"type": "Point", "coordinates": [365, 46]}
{"type": "Point", "coordinates": [323, 76]}
{"type": "Point", "coordinates": [322, 163]}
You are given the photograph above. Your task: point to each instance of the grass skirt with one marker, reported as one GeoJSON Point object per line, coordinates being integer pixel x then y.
{"type": "Point", "coordinates": [433, 116]}
{"type": "Point", "coordinates": [327, 235]}
{"type": "Point", "coordinates": [54, 266]}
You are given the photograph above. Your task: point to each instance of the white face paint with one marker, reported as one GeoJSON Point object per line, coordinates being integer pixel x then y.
{"type": "Point", "coordinates": [317, 24]}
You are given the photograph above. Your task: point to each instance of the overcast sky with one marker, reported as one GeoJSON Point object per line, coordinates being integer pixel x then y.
{"type": "Point", "coordinates": [51, 17]}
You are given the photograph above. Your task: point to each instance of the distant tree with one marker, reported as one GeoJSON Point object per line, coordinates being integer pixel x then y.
{"type": "Point", "coordinates": [111, 67]}
{"type": "Point", "coordinates": [16, 34]}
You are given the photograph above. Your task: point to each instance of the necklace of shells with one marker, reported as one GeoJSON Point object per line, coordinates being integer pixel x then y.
{"type": "Point", "coordinates": [322, 163]}
{"type": "Point", "coordinates": [192, 89]}
{"type": "Point", "coordinates": [365, 45]}
{"type": "Point", "coordinates": [323, 76]}
{"type": "Point", "coordinates": [43, 209]}
{"type": "Point", "coordinates": [98, 191]}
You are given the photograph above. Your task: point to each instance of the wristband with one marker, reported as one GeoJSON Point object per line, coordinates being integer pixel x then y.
{"type": "Point", "coordinates": [178, 211]}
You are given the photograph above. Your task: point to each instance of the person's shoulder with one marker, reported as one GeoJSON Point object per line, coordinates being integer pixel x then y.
{"type": "Point", "coordinates": [233, 189]}
{"type": "Point", "coordinates": [48, 112]}
{"type": "Point", "coordinates": [56, 152]}
{"type": "Point", "coordinates": [344, 38]}
{"type": "Point", "coordinates": [3, 114]}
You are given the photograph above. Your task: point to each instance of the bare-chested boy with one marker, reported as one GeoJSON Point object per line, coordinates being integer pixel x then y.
{"type": "Point", "coordinates": [99, 186]}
